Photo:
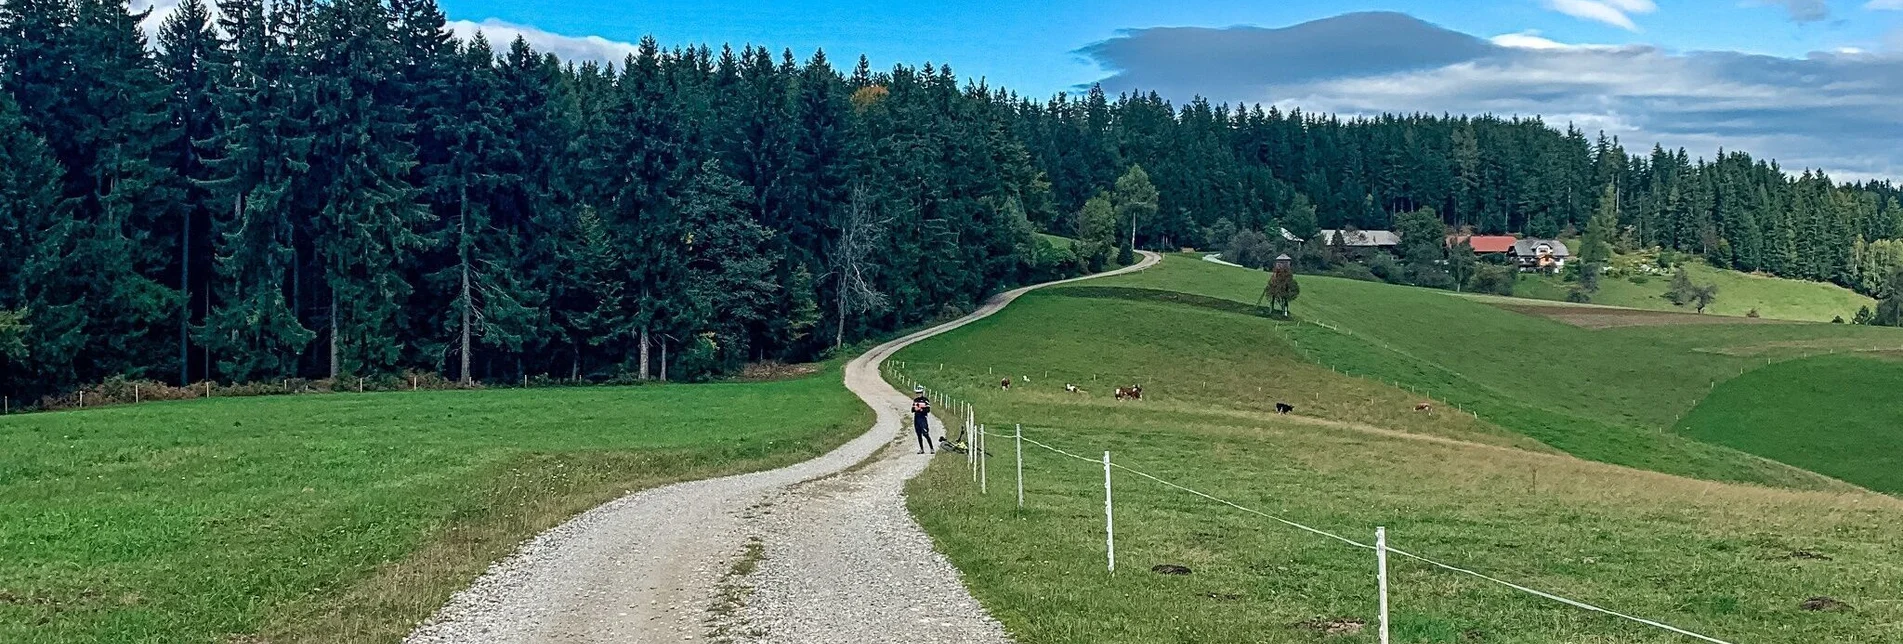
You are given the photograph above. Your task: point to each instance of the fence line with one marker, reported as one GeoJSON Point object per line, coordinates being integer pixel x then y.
{"type": "Point", "coordinates": [1379, 546]}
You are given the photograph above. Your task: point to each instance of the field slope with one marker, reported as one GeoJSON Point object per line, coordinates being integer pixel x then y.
{"type": "Point", "coordinates": [1738, 294]}
{"type": "Point", "coordinates": [344, 517]}
{"type": "Point", "coordinates": [1833, 414]}
{"type": "Point", "coordinates": [1606, 394]}
{"type": "Point", "coordinates": [1734, 561]}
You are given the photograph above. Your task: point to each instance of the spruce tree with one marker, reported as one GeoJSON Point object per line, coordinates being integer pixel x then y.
{"type": "Point", "coordinates": [369, 215]}
{"type": "Point", "coordinates": [191, 59]}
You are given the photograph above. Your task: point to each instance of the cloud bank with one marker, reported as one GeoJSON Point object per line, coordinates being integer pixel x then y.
{"type": "Point", "coordinates": [569, 48]}
{"type": "Point", "coordinates": [1836, 111]}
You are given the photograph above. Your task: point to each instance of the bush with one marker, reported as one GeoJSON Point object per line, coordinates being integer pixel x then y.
{"type": "Point", "coordinates": [1837, 320]}
{"type": "Point", "coordinates": [1668, 258]}
{"type": "Point", "coordinates": [1754, 313]}
{"type": "Point", "coordinates": [1382, 265]}
{"type": "Point", "coordinates": [1250, 248]}
{"type": "Point", "coordinates": [1354, 272]}
{"type": "Point", "coordinates": [1430, 276]}
{"type": "Point", "coordinates": [1495, 259]}
{"type": "Point", "coordinates": [1578, 296]}
{"type": "Point", "coordinates": [1498, 280]}
{"type": "Point", "coordinates": [1639, 279]}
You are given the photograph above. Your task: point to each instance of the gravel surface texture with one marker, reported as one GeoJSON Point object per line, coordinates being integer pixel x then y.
{"type": "Point", "coordinates": [838, 558]}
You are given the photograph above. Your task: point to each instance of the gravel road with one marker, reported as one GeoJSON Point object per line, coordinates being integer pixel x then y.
{"type": "Point", "coordinates": [837, 558]}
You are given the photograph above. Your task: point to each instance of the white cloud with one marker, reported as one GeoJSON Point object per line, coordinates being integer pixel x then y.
{"type": "Point", "coordinates": [1531, 39]}
{"type": "Point", "coordinates": [1831, 110]}
{"type": "Point", "coordinates": [1611, 12]}
{"type": "Point", "coordinates": [569, 48]}
{"type": "Point", "coordinates": [1884, 5]}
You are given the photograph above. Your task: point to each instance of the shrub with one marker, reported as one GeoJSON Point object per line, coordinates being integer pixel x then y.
{"type": "Point", "coordinates": [1354, 272]}
{"type": "Point", "coordinates": [1498, 280]}
{"type": "Point", "coordinates": [1639, 279]}
{"type": "Point", "coordinates": [1754, 313]}
{"type": "Point", "coordinates": [1384, 267]}
{"type": "Point", "coordinates": [1578, 296]}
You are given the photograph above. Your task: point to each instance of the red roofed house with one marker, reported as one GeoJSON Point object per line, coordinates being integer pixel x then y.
{"type": "Point", "coordinates": [1484, 244]}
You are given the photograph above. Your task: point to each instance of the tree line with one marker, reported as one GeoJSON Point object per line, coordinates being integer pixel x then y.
{"type": "Point", "coordinates": [305, 188]}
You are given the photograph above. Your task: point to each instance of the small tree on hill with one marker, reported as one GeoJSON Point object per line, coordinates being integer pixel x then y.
{"type": "Point", "coordinates": [1461, 263]}
{"type": "Point", "coordinates": [1282, 290]}
{"type": "Point", "coordinates": [1890, 309]}
{"type": "Point", "coordinates": [1703, 296]}
{"type": "Point", "coordinates": [1682, 290]}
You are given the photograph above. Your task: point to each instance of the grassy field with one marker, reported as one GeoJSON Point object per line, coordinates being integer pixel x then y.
{"type": "Point", "coordinates": [1604, 394]}
{"type": "Point", "coordinates": [1832, 414]}
{"type": "Point", "coordinates": [1738, 294]}
{"type": "Point", "coordinates": [344, 518]}
{"type": "Point", "coordinates": [1733, 561]}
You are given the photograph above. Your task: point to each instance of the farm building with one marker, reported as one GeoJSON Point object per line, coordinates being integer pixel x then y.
{"type": "Point", "coordinates": [1543, 255]}
{"type": "Point", "coordinates": [1484, 244]}
{"type": "Point", "coordinates": [1363, 238]}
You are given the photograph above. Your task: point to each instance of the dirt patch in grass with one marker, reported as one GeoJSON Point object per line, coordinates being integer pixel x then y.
{"type": "Point", "coordinates": [1606, 318]}
{"type": "Point", "coordinates": [775, 370]}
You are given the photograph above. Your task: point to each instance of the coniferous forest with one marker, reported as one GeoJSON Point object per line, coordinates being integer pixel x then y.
{"type": "Point", "coordinates": [329, 189]}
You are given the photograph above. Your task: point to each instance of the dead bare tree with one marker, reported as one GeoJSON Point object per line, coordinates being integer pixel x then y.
{"type": "Point", "coordinates": [859, 229]}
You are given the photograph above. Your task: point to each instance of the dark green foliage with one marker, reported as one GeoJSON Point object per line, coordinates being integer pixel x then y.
{"type": "Point", "coordinates": [1703, 296]}
{"type": "Point", "coordinates": [1423, 236]}
{"type": "Point", "coordinates": [1681, 290]}
{"type": "Point", "coordinates": [1498, 280]}
{"type": "Point", "coordinates": [1889, 309]}
{"type": "Point", "coordinates": [1250, 248]}
{"type": "Point", "coordinates": [1282, 289]}
{"type": "Point", "coordinates": [1461, 263]}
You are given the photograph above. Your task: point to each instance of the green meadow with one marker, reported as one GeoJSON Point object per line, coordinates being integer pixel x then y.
{"type": "Point", "coordinates": [345, 517]}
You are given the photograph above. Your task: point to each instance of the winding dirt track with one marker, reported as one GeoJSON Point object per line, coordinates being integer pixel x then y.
{"type": "Point", "coordinates": [843, 561]}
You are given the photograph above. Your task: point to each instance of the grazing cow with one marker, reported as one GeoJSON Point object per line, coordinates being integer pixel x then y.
{"type": "Point", "coordinates": [1005, 384]}
{"type": "Point", "coordinates": [1133, 392]}
{"type": "Point", "coordinates": [1424, 406]}
{"type": "Point", "coordinates": [1283, 408]}
{"type": "Point", "coordinates": [1072, 388]}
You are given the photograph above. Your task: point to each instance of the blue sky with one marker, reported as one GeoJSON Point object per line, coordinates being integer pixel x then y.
{"type": "Point", "coordinates": [1811, 83]}
{"type": "Point", "coordinates": [1031, 46]}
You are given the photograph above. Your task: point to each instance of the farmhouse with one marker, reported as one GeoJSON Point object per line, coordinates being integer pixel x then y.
{"type": "Point", "coordinates": [1484, 244]}
{"type": "Point", "coordinates": [1363, 238]}
{"type": "Point", "coordinates": [1546, 255]}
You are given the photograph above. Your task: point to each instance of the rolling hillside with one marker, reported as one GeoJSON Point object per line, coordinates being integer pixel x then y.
{"type": "Point", "coordinates": [1733, 561]}
{"type": "Point", "coordinates": [1738, 294]}
{"type": "Point", "coordinates": [1606, 390]}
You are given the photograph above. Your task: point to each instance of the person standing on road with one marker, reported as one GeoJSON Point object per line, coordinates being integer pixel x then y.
{"type": "Point", "coordinates": [922, 419]}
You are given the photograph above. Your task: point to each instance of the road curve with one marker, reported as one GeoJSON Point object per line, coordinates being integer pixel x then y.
{"type": "Point", "coordinates": [841, 560]}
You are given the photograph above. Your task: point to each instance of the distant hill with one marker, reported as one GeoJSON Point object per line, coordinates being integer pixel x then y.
{"type": "Point", "coordinates": [1738, 293]}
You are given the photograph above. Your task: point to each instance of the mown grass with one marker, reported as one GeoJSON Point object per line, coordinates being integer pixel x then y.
{"type": "Point", "coordinates": [1712, 557]}
{"type": "Point", "coordinates": [344, 517]}
{"type": "Point", "coordinates": [1606, 394]}
{"type": "Point", "coordinates": [1833, 414]}
{"type": "Point", "coordinates": [1738, 294]}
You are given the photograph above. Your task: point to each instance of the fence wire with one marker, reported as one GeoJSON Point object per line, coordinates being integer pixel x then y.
{"type": "Point", "coordinates": [1320, 532]}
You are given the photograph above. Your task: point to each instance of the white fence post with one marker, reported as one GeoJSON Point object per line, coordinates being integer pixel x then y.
{"type": "Point", "coordinates": [984, 473]}
{"type": "Point", "coordinates": [1019, 438]}
{"type": "Point", "coordinates": [1381, 576]}
{"type": "Point", "coordinates": [1109, 519]}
